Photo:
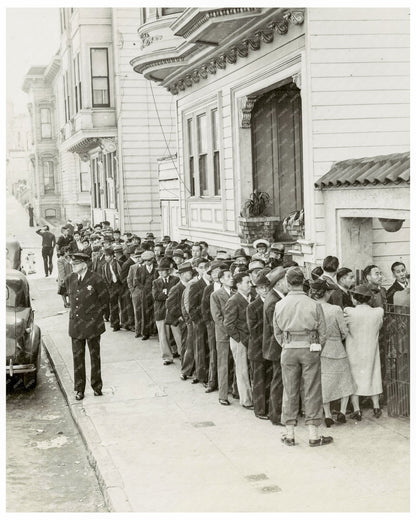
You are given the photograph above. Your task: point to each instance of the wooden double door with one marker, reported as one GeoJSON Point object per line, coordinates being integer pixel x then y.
{"type": "Point", "coordinates": [276, 123]}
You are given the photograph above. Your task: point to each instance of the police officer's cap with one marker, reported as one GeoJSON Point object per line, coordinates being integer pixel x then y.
{"type": "Point", "coordinates": [80, 257]}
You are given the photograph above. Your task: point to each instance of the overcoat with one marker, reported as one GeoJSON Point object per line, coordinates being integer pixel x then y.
{"type": "Point", "coordinates": [88, 299]}
{"type": "Point", "coordinates": [235, 320]}
{"type": "Point", "coordinates": [173, 304]}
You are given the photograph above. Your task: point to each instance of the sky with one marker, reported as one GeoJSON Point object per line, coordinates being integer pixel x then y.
{"type": "Point", "coordinates": [32, 38]}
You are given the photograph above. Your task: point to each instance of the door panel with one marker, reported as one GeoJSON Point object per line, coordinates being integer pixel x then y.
{"type": "Point", "coordinates": [277, 149]}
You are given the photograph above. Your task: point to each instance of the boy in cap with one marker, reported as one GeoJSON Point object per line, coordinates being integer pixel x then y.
{"type": "Point", "coordinates": [160, 290]}
{"type": "Point", "coordinates": [299, 327]}
{"type": "Point", "coordinates": [145, 276]}
{"type": "Point", "coordinates": [88, 297]}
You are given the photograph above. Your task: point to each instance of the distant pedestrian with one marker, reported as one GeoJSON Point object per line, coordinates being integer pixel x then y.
{"type": "Point", "coordinates": [31, 214]}
{"type": "Point", "coordinates": [88, 297]}
{"type": "Point", "coordinates": [48, 246]}
{"type": "Point", "coordinates": [364, 324]}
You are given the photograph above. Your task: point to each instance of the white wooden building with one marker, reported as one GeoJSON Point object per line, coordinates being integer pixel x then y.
{"type": "Point", "coordinates": [271, 98]}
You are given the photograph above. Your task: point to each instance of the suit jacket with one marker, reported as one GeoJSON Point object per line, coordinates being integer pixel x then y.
{"type": "Point", "coordinates": [205, 303]}
{"type": "Point", "coordinates": [392, 290]}
{"type": "Point", "coordinates": [255, 327]}
{"type": "Point", "coordinates": [340, 298]}
{"type": "Point", "coordinates": [235, 318]}
{"type": "Point", "coordinates": [218, 301]}
{"type": "Point", "coordinates": [107, 275]}
{"type": "Point", "coordinates": [195, 298]}
{"type": "Point", "coordinates": [98, 262]}
{"type": "Point", "coordinates": [131, 277]}
{"type": "Point", "coordinates": [125, 268]}
{"type": "Point", "coordinates": [379, 297]}
{"type": "Point", "coordinates": [271, 348]}
{"type": "Point", "coordinates": [88, 300]}
{"type": "Point", "coordinates": [173, 304]}
{"type": "Point", "coordinates": [160, 291]}
{"type": "Point", "coordinates": [144, 279]}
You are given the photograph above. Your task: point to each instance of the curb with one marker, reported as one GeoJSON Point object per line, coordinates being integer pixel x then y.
{"type": "Point", "coordinates": [108, 476]}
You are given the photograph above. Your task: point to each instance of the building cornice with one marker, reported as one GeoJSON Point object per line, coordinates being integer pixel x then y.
{"type": "Point", "coordinates": [241, 49]}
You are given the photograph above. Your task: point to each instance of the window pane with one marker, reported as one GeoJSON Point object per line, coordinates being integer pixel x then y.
{"type": "Point", "coordinates": [190, 149]}
{"type": "Point", "coordinates": [48, 176]}
{"type": "Point", "coordinates": [99, 62]}
{"type": "Point", "coordinates": [215, 144]}
{"type": "Point", "coordinates": [45, 115]}
{"type": "Point", "coordinates": [192, 175]}
{"type": "Point", "coordinates": [46, 132]}
{"type": "Point", "coordinates": [100, 91]}
{"type": "Point", "coordinates": [203, 184]}
{"type": "Point", "coordinates": [202, 133]}
{"type": "Point", "coordinates": [217, 173]}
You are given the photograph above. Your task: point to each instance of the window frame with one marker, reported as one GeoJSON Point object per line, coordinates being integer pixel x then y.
{"type": "Point", "coordinates": [193, 182]}
{"type": "Point", "coordinates": [48, 187]}
{"type": "Point", "coordinates": [77, 83]}
{"type": "Point", "coordinates": [45, 124]}
{"type": "Point", "coordinates": [93, 104]}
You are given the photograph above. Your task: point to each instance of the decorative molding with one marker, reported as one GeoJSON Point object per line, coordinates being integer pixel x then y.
{"type": "Point", "coordinates": [246, 107]}
{"type": "Point", "coordinates": [148, 40]}
{"type": "Point", "coordinates": [297, 80]}
{"type": "Point", "coordinates": [163, 61]}
{"type": "Point", "coordinates": [230, 56]}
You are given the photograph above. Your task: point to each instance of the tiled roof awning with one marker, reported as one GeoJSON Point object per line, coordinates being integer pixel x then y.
{"type": "Point", "coordinates": [367, 171]}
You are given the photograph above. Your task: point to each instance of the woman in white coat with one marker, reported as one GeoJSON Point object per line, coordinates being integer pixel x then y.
{"type": "Point", "coordinates": [364, 324]}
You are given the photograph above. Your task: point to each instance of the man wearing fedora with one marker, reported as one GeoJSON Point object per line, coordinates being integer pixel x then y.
{"type": "Point", "coordinates": [126, 307]}
{"type": "Point", "coordinates": [135, 291]}
{"type": "Point", "coordinates": [88, 297]}
{"type": "Point", "coordinates": [276, 255]}
{"type": "Point", "coordinates": [299, 327]}
{"type": "Point", "coordinates": [160, 290]}
{"type": "Point", "coordinates": [174, 316]}
{"type": "Point", "coordinates": [145, 275]}
{"type": "Point", "coordinates": [270, 347]}
{"type": "Point", "coordinates": [112, 275]}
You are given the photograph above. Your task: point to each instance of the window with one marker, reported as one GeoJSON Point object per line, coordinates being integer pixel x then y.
{"type": "Point", "coordinates": [77, 84]}
{"type": "Point", "coordinates": [67, 99]}
{"type": "Point", "coordinates": [45, 123]}
{"type": "Point", "coordinates": [172, 10]}
{"type": "Point", "coordinates": [203, 153]}
{"type": "Point", "coordinates": [48, 176]}
{"type": "Point", "coordinates": [84, 177]}
{"type": "Point", "coordinates": [96, 183]}
{"type": "Point", "coordinates": [100, 78]}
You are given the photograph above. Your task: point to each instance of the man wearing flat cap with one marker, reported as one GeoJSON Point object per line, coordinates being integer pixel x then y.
{"type": "Point", "coordinates": [160, 291]}
{"type": "Point", "coordinates": [299, 327]}
{"type": "Point", "coordinates": [88, 297]}
{"type": "Point", "coordinates": [145, 276]}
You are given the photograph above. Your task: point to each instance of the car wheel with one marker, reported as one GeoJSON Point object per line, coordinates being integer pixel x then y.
{"type": "Point", "coordinates": [30, 380]}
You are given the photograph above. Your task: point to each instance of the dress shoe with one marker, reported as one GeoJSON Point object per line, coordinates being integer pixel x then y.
{"type": "Point", "coordinates": [248, 406]}
{"type": "Point", "coordinates": [175, 355]}
{"type": "Point", "coordinates": [167, 362]}
{"type": "Point", "coordinates": [224, 402]}
{"type": "Point", "coordinates": [205, 385]}
{"type": "Point", "coordinates": [278, 424]}
{"type": "Point", "coordinates": [137, 335]}
{"type": "Point", "coordinates": [329, 422]}
{"type": "Point", "coordinates": [115, 329]}
{"type": "Point", "coordinates": [210, 389]}
{"type": "Point", "coordinates": [320, 442]}
{"type": "Point", "coordinates": [377, 413]}
{"type": "Point", "coordinates": [235, 396]}
{"type": "Point", "coordinates": [79, 396]}
{"type": "Point", "coordinates": [195, 381]}
{"type": "Point", "coordinates": [98, 392]}
{"type": "Point", "coordinates": [287, 441]}
{"type": "Point", "coordinates": [356, 415]}
{"type": "Point", "coordinates": [341, 418]}
{"type": "Point", "coordinates": [184, 377]}
{"type": "Point", "coordinates": [144, 338]}
{"type": "Point", "coordinates": [264, 417]}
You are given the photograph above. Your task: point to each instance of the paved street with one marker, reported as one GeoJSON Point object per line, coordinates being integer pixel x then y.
{"type": "Point", "coordinates": [161, 444]}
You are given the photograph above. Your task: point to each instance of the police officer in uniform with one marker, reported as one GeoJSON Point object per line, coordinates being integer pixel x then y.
{"type": "Point", "coordinates": [88, 297]}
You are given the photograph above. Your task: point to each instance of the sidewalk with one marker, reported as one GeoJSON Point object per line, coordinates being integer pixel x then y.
{"type": "Point", "coordinates": [161, 444]}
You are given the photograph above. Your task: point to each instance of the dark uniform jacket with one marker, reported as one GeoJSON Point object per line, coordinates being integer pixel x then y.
{"type": "Point", "coordinates": [205, 303]}
{"type": "Point", "coordinates": [173, 304]}
{"type": "Point", "coordinates": [218, 301]}
{"type": "Point", "coordinates": [340, 298]}
{"type": "Point", "coordinates": [160, 297]}
{"type": "Point", "coordinates": [271, 348]}
{"type": "Point", "coordinates": [255, 327]}
{"type": "Point", "coordinates": [235, 319]}
{"type": "Point", "coordinates": [88, 299]}
{"type": "Point", "coordinates": [195, 298]}
{"type": "Point", "coordinates": [392, 290]}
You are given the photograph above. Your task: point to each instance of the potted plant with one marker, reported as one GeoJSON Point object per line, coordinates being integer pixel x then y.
{"type": "Point", "coordinates": [254, 222]}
